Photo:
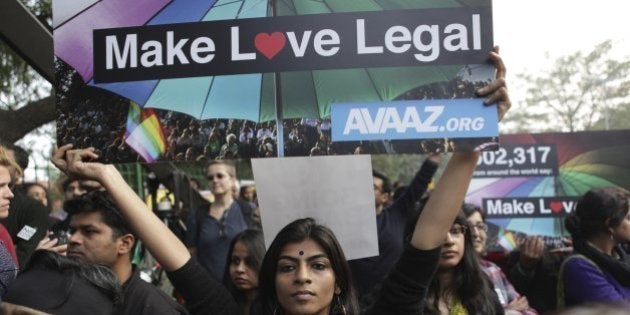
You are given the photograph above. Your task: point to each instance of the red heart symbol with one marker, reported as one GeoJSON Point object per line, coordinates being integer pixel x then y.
{"type": "Point", "coordinates": [555, 206]}
{"type": "Point", "coordinates": [269, 45]}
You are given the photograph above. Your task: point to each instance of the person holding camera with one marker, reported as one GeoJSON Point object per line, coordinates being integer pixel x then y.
{"type": "Point", "coordinates": [533, 269]}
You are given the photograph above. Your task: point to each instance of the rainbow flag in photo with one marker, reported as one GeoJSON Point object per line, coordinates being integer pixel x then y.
{"type": "Point", "coordinates": [144, 133]}
{"type": "Point", "coordinates": [507, 240]}
{"type": "Point", "coordinates": [134, 117]}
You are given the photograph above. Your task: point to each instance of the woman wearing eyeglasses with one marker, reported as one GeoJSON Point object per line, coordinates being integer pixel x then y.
{"type": "Point", "coordinates": [512, 301]}
{"type": "Point", "coordinates": [460, 286]}
{"type": "Point", "coordinates": [212, 227]}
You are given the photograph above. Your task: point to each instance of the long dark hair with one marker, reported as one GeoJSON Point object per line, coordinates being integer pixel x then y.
{"type": "Point", "coordinates": [469, 209]}
{"type": "Point", "coordinates": [470, 284]}
{"type": "Point", "coordinates": [295, 232]}
{"type": "Point", "coordinates": [596, 211]}
{"type": "Point", "coordinates": [253, 240]}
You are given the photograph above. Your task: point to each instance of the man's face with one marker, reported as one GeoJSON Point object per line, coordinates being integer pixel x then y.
{"type": "Point", "coordinates": [91, 240]}
{"type": "Point", "coordinates": [74, 190]}
{"type": "Point", "coordinates": [38, 193]}
{"type": "Point", "coordinates": [248, 193]}
{"type": "Point", "coordinates": [380, 196]}
{"type": "Point", "coordinates": [5, 192]}
{"type": "Point", "coordinates": [189, 155]}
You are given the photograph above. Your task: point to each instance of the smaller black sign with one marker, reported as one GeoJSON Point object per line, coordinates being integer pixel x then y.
{"type": "Point", "coordinates": [543, 207]}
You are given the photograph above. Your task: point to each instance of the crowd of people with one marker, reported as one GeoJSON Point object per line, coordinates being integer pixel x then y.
{"type": "Point", "coordinates": [431, 248]}
{"type": "Point", "coordinates": [191, 139]}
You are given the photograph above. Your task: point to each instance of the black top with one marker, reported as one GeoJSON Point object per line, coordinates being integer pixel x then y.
{"type": "Point", "coordinates": [25, 214]}
{"type": "Point", "coordinates": [52, 285]}
{"type": "Point", "coordinates": [390, 225]}
{"type": "Point", "coordinates": [538, 284]}
{"type": "Point", "coordinates": [405, 288]}
{"type": "Point", "coordinates": [202, 293]}
{"type": "Point", "coordinates": [141, 297]}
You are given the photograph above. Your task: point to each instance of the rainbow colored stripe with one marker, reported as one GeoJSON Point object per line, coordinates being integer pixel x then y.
{"type": "Point", "coordinates": [144, 133]}
{"type": "Point", "coordinates": [507, 240]}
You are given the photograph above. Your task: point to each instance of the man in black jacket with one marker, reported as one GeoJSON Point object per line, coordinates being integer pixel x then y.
{"type": "Point", "coordinates": [99, 235]}
{"type": "Point", "coordinates": [390, 223]}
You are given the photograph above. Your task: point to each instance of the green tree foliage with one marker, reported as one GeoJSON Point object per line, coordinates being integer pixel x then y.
{"type": "Point", "coordinates": [614, 118]}
{"type": "Point", "coordinates": [19, 83]}
{"type": "Point", "coordinates": [26, 102]}
{"type": "Point", "coordinates": [581, 92]}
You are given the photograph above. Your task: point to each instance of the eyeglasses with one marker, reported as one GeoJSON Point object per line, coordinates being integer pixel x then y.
{"type": "Point", "coordinates": [219, 176]}
{"type": "Point", "coordinates": [457, 230]}
{"type": "Point", "coordinates": [479, 226]}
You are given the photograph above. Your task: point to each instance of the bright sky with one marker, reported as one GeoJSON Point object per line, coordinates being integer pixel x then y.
{"type": "Point", "coordinates": [526, 30]}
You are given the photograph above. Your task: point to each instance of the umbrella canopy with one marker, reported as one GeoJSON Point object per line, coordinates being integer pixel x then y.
{"type": "Point", "coordinates": [303, 94]}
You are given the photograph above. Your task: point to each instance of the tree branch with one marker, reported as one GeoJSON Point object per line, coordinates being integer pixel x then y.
{"type": "Point", "coordinates": [14, 124]}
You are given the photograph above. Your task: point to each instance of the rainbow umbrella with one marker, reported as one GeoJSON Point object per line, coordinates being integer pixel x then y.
{"type": "Point", "coordinates": [595, 168]}
{"type": "Point", "coordinates": [304, 94]}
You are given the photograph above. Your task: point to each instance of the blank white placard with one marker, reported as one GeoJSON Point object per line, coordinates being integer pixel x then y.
{"type": "Point", "coordinates": [337, 191]}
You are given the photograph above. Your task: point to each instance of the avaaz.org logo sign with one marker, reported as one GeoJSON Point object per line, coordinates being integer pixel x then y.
{"type": "Point", "coordinates": [528, 207]}
{"type": "Point", "coordinates": [421, 119]}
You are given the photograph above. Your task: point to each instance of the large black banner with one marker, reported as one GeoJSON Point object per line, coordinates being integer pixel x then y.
{"type": "Point", "coordinates": [308, 42]}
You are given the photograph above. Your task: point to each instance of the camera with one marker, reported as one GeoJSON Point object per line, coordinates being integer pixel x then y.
{"type": "Point", "coordinates": [61, 236]}
{"type": "Point", "coordinates": [553, 242]}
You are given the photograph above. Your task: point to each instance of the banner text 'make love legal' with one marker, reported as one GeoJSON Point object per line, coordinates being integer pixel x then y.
{"type": "Point", "coordinates": [294, 43]}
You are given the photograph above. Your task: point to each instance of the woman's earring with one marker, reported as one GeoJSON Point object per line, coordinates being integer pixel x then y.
{"type": "Point", "coordinates": [339, 308]}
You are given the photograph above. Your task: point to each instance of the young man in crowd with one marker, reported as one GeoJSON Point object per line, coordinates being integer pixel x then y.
{"type": "Point", "coordinates": [99, 235]}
